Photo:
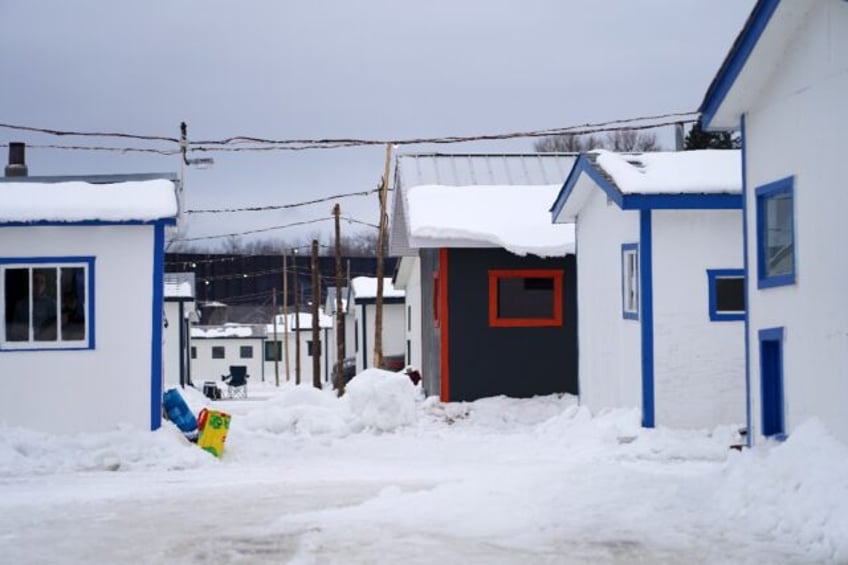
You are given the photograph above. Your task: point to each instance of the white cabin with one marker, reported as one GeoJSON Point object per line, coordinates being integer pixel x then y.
{"type": "Point", "coordinates": [659, 284]}
{"type": "Point", "coordinates": [784, 84]}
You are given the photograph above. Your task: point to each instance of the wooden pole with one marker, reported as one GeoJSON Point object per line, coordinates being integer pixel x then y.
{"type": "Point", "coordinates": [276, 345]}
{"type": "Point", "coordinates": [381, 245]}
{"type": "Point", "coordinates": [340, 333]}
{"type": "Point", "coordinates": [286, 313]}
{"type": "Point", "coordinates": [316, 330]}
{"type": "Point", "coordinates": [296, 321]}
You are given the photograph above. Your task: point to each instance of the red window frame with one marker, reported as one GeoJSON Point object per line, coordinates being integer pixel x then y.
{"type": "Point", "coordinates": [496, 275]}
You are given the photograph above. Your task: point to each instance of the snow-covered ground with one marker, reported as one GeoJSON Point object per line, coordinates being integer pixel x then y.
{"type": "Point", "coordinates": [385, 476]}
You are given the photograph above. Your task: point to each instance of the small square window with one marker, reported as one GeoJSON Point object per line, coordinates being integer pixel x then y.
{"type": "Point", "coordinates": [218, 352]}
{"type": "Point", "coordinates": [310, 346]}
{"type": "Point", "coordinates": [776, 234]}
{"type": "Point", "coordinates": [528, 298]}
{"type": "Point", "coordinates": [630, 281]}
{"type": "Point", "coordinates": [726, 294]}
{"type": "Point", "coordinates": [270, 350]}
{"type": "Point", "coordinates": [246, 352]}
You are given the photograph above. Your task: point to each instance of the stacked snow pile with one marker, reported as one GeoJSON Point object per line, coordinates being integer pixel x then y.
{"type": "Point", "coordinates": [381, 400]}
{"type": "Point", "coordinates": [297, 409]}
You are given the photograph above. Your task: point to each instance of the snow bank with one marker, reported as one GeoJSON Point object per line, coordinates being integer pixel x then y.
{"type": "Point", "coordinates": [298, 409]}
{"type": "Point", "coordinates": [382, 400]}
{"type": "Point", "coordinates": [797, 490]}
{"type": "Point", "coordinates": [126, 449]}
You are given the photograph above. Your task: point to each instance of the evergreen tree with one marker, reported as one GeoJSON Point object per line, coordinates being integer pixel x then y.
{"type": "Point", "coordinates": [697, 138]}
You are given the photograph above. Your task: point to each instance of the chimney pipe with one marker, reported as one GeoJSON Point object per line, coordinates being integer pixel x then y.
{"type": "Point", "coordinates": [17, 160]}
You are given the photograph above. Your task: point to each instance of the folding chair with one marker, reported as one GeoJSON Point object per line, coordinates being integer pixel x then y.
{"type": "Point", "coordinates": [236, 381]}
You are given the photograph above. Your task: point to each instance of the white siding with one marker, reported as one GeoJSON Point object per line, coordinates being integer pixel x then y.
{"type": "Point", "coordinates": [92, 390]}
{"type": "Point", "coordinates": [412, 325]}
{"type": "Point", "coordinates": [394, 334]}
{"type": "Point", "coordinates": [609, 345]}
{"type": "Point", "coordinates": [305, 359]}
{"type": "Point", "coordinates": [699, 365]}
{"type": "Point", "coordinates": [798, 128]}
{"type": "Point", "coordinates": [205, 368]}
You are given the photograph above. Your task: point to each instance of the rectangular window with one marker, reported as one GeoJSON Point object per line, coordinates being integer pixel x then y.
{"type": "Point", "coordinates": [630, 281]}
{"type": "Point", "coordinates": [246, 352]}
{"type": "Point", "coordinates": [46, 303]}
{"type": "Point", "coordinates": [193, 352]}
{"type": "Point", "coordinates": [726, 294]}
{"type": "Point", "coordinates": [525, 298]}
{"type": "Point", "coordinates": [309, 346]}
{"type": "Point", "coordinates": [776, 234]}
{"type": "Point", "coordinates": [270, 347]}
{"type": "Point", "coordinates": [218, 352]}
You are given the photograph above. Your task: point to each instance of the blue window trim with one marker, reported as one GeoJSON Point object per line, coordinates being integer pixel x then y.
{"type": "Point", "coordinates": [715, 315]}
{"type": "Point", "coordinates": [762, 193]}
{"type": "Point", "coordinates": [775, 335]}
{"type": "Point", "coordinates": [60, 260]}
{"type": "Point", "coordinates": [627, 315]}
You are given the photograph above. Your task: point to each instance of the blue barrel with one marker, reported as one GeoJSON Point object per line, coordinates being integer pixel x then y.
{"type": "Point", "coordinates": [178, 412]}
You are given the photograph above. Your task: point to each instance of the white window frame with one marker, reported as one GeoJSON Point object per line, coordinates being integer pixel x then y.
{"type": "Point", "coordinates": [57, 263]}
{"type": "Point", "coordinates": [630, 281]}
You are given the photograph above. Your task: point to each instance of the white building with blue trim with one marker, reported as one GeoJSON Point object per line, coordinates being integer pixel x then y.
{"type": "Point", "coordinates": [659, 284]}
{"type": "Point", "coordinates": [784, 84]}
{"type": "Point", "coordinates": [81, 263]}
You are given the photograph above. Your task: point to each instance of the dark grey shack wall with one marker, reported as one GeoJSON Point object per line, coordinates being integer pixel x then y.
{"type": "Point", "coordinates": [430, 336]}
{"type": "Point", "coordinates": [519, 362]}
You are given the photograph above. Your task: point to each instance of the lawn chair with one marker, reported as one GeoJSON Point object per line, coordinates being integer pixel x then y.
{"type": "Point", "coordinates": [236, 381]}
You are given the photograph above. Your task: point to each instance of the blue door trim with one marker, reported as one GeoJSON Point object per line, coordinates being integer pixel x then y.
{"type": "Point", "coordinates": [771, 388]}
{"type": "Point", "coordinates": [156, 318]}
{"type": "Point", "coordinates": [647, 311]}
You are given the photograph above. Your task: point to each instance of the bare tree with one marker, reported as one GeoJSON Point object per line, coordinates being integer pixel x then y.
{"type": "Point", "coordinates": [567, 143]}
{"type": "Point", "coordinates": [630, 140]}
{"type": "Point", "coordinates": [624, 140]}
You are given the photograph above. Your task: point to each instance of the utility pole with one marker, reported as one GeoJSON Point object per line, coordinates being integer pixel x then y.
{"type": "Point", "coordinates": [340, 334]}
{"type": "Point", "coordinates": [296, 321]}
{"type": "Point", "coordinates": [381, 244]}
{"type": "Point", "coordinates": [276, 345]}
{"type": "Point", "coordinates": [316, 331]}
{"type": "Point", "coordinates": [286, 313]}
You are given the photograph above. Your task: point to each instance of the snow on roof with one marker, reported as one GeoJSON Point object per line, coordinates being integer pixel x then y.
{"type": "Point", "coordinates": [227, 330]}
{"type": "Point", "coordinates": [304, 320]}
{"type": "Point", "coordinates": [514, 217]}
{"type": "Point", "coordinates": [366, 287]}
{"type": "Point", "coordinates": [479, 200]}
{"type": "Point", "coordinates": [708, 171]}
{"type": "Point", "coordinates": [179, 285]}
{"type": "Point", "coordinates": [78, 201]}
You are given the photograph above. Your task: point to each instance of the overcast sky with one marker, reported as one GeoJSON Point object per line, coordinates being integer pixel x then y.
{"type": "Point", "coordinates": [366, 68]}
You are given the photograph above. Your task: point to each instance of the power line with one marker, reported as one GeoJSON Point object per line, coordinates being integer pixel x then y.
{"type": "Point", "coordinates": [271, 228]}
{"type": "Point", "coordinates": [281, 206]}
{"type": "Point", "coordinates": [59, 132]}
{"type": "Point", "coordinates": [265, 144]}
{"type": "Point", "coordinates": [166, 152]}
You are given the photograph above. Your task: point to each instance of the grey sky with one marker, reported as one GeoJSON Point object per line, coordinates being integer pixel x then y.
{"type": "Point", "coordinates": [368, 68]}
